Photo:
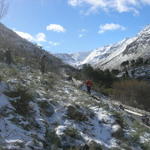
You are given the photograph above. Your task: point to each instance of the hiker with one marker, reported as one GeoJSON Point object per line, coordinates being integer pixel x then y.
{"type": "Point", "coordinates": [43, 62]}
{"type": "Point", "coordinates": [69, 78]}
{"type": "Point", "coordinates": [8, 57]}
{"type": "Point", "coordinates": [88, 84]}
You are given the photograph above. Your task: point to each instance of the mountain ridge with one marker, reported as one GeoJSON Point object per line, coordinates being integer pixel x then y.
{"type": "Point", "coordinates": [111, 56]}
{"type": "Point", "coordinates": [26, 52]}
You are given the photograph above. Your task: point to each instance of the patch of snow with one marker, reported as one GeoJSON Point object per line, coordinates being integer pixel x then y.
{"type": "Point", "coordinates": [60, 130]}
{"type": "Point", "coordinates": [4, 100]}
{"type": "Point", "coordinates": [145, 138]}
{"type": "Point", "coordinates": [3, 87]}
{"type": "Point", "coordinates": [135, 113]}
{"type": "Point", "coordinates": [115, 127]}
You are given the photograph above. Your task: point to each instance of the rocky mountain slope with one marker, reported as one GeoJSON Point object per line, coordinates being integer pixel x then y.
{"type": "Point", "coordinates": [43, 112]}
{"type": "Point", "coordinates": [111, 56]}
{"type": "Point", "coordinates": [25, 52]}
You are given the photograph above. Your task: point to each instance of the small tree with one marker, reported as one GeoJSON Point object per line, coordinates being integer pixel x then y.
{"type": "Point", "coordinates": [115, 71]}
{"type": "Point", "coordinates": [139, 61]}
{"type": "Point", "coordinates": [125, 64]}
{"type": "Point", "coordinates": [132, 62]}
{"type": "Point", "coordinates": [3, 8]}
{"type": "Point", "coordinates": [147, 61]}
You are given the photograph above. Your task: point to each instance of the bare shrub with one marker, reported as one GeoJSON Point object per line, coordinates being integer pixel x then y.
{"type": "Point", "coordinates": [23, 98]}
{"type": "Point", "coordinates": [132, 92]}
{"type": "Point", "coordinates": [3, 8]}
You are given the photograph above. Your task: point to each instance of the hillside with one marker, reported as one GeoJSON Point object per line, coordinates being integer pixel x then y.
{"type": "Point", "coordinates": [25, 52]}
{"type": "Point", "coordinates": [43, 112]}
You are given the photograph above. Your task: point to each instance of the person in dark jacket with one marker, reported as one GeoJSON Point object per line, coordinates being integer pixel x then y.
{"type": "Point", "coordinates": [8, 57]}
{"type": "Point", "coordinates": [43, 62]}
{"type": "Point", "coordinates": [89, 85]}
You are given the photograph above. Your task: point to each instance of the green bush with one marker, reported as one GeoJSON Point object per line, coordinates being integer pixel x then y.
{"type": "Point", "coordinates": [0, 78]}
{"type": "Point", "coordinates": [72, 132]}
{"type": "Point", "coordinates": [51, 140]}
{"type": "Point", "coordinates": [145, 146]}
{"type": "Point", "coordinates": [21, 104]}
{"type": "Point", "coordinates": [106, 91]}
{"type": "Point", "coordinates": [100, 78]}
{"type": "Point", "coordinates": [135, 138]}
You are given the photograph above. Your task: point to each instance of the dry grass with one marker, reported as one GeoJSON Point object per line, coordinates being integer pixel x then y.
{"type": "Point", "coordinates": [132, 92]}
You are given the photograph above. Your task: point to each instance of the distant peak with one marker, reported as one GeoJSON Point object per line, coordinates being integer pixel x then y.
{"type": "Point", "coordinates": [146, 30]}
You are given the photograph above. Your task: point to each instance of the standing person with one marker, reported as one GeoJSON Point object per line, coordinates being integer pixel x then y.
{"type": "Point", "coordinates": [89, 84]}
{"type": "Point", "coordinates": [8, 57]}
{"type": "Point", "coordinates": [43, 64]}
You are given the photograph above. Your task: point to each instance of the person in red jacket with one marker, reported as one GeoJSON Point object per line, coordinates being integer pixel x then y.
{"type": "Point", "coordinates": [89, 84]}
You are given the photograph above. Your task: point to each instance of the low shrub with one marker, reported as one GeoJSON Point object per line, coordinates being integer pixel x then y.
{"type": "Point", "coordinates": [75, 114]}
{"type": "Point", "coordinates": [21, 104]}
{"type": "Point", "coordinates": [52, 141]}
{"type": "Point", "coordinates": [72, 132]}
{"type": "Point", "coordinates": [0, 78]}
{"type": "Point", "coordinates": [145, 146]}
{"type": "Point", "coordinates": [106, 91]}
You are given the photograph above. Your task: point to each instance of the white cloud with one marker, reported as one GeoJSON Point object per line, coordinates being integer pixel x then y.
{"type": "Point", "coordinates": [109, 27]}
{"type": "Point", "coordinates": [40, 37]}
{"type": "Point", "coordinates": [54, 43]}
{"type": "Point", "coordinates": [146, 1]}
{"type": "Point", "coordinates": [83, 33]}
{"type": "Point", "coordinates": [83, 30]}
{"type": "Point", "coordinates": [55, 28]}
{"type": "Point", "coordinates": [117, 5]}
{"type": "Point", "coordinates": [26, 36]}
{"type": "Point", "coordinates": [74, 2]}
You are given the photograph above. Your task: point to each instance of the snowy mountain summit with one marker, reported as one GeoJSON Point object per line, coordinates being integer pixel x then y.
{"type": "Point", "coordinates": [111, 56]}
{"type": "Point", "coordinates": [73, 59]}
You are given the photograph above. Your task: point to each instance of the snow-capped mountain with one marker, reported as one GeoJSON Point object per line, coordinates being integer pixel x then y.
{"type": "Point", "coordinates": [133, 48]}
{"type": "Point", "coordinates": [73, 59]}
{"type": "Point", "coordinates": [111, 56]}
{"type": "Point", "coordinates": [110, 51]}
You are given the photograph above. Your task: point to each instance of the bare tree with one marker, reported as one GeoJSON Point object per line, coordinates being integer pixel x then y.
{"type": "Point", "coordinates": [3, 8]}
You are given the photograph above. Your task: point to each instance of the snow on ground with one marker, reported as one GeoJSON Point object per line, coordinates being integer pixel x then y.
{"type": "Point", "coordinates": [99, 126]}
{"type": "Point", "coordinates": [145, 138]}
{"type": "Point", "coordinates": [135, 113]}
{"type": "Point", "coordinates": [102, 128]}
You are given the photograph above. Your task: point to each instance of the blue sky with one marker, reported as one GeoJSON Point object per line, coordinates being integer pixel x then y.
{"type": "Point", "coordinates": [68, 26]}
